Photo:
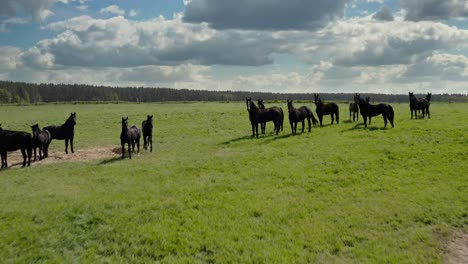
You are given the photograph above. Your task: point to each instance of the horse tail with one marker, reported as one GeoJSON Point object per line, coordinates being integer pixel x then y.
{"type": "Point", "coordinates": [314, 120]}
{"type": "Point", "coordinates": [282, 118]}
{"type": "Point", "coordinates": [391, 114]}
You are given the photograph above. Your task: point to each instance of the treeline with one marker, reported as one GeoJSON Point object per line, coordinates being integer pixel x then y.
{"type": "Point", "coordinates": [30, 93]}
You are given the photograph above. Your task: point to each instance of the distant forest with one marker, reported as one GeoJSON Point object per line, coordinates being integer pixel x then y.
{"type": "Point", "coordinates": [32, 93]}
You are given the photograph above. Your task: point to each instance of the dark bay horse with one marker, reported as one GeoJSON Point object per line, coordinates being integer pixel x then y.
{"type": "Point", "coordinates": [299, 115]}
{"type": "Point", "coordinates": [261, 105]}
{"type": "Point", "coordinates": [41, 140]}
{"type": "Point", "coordinates": [369, 110]}
{"type": "Point", "coordinates": [65, 131]}
{"type": "Point", "coordinates": [354, 109]}
{"type": "Point", "coordinates": [147, 127]}
{"type": "Point", "coordinates": [419, 104]}
{"type": "Point", "coordinates": [257, 115]}
{"type": "Point", "coordinates": [326, 109]}
{"type": "Point", "coordinates": [131, 136]}
{"type": "Point", "coordinates": [13, 140]}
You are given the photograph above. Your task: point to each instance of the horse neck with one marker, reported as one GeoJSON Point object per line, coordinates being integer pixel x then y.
{"type": "Point", "coordinates": [253, 108]}
{"type": "Point", "coordinates": [124, 128]}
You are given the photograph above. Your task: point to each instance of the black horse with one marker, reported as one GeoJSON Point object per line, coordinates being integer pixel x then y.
{"type": "Point", "coordinates": [131, 136]}
{"type": "Point", "coordinates": [257, 115]}
{"type": "Point", "coordinates": [299, 115]}
{"type": "Point", "coordinates": [275, 108]}
{"type": "Point", "coordinates": [14, 140]}
{"type": "Point", "coordinates": [322, 109]}
{"type": "Point", "coordinates": [65, 131]}
{"type": "Point", "coordinates": [369, 110]}
{"type": "Point", "coordinates": [147, 127]}
{"type": "Point", "coordinates": [354, 109]}
{"type": "Point", "coordinates": [419, 104]}
{"type": "Point", "coordinates": [41, 140]}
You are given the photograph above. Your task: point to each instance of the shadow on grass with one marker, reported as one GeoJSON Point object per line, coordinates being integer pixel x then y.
{"type": "Point", "coordinates": [249, 137]}
{"type": "Point", "coordinates": [111, 160]}
{"type": "Point", "coordinates": [362, 127]}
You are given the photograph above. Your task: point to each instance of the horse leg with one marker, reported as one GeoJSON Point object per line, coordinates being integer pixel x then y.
{"type": "Point", "coordinates": [332, 118]}
{"type": "Point", "coordinates": [35, 154]}
{"type": "Point", "coordinates": [320, 119]}
{"type": "Point", "coordinates": [71, 145]}
{"type": "Point", "coordinates": [66, 145]}
{"type": "Point", "coordinates": [40, 152]}
{"type": "Point", "coordinates": [365, 120]}
{"type": "Point", "coordinates": [253, 129]}
{"type": "Point", "coordinates": [2, 154]}
{"type": "Point", "coordinates": [129, 152]}
{"type": "Point", "coordinates": [123, 150]}
{"type": "Point", "coordinates": [138, 144]}
{"type": "Point", "coordinates": [308, 122]}
{"type": "Point", "coordinates": [337, 115]}
{"type": "Point", "coordinates": [428, 113]}
{"type": "Point", "coordinates": [23, 152]}
{"type": "Point", "coordinates": [150, 142]}
{"type": "Point", "coordinates": [385, 120]}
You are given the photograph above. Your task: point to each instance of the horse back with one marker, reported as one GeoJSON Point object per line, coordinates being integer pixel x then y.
{"type": "Point", "coordinates": [60, 132]}
{"type": "Point", "coordinates": [14, 140]}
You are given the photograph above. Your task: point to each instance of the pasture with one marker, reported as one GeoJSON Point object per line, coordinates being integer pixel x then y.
{"type": "Point", "coordinates": [209, 192]}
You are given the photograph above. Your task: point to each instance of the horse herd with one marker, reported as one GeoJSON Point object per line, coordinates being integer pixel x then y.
{"type": "Point", "coordinates": [260, 114]}
{"type": "Point", "coordinates": [41, 138]}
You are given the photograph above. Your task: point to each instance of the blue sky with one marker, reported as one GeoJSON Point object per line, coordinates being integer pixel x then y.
{"type": "Point", "coordinates": [274, 46]}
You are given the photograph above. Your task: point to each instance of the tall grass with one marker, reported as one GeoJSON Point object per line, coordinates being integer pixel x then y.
{"type": "Point", "coordinates": [211, 193]}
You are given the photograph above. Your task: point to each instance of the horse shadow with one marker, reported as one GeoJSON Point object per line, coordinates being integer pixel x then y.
{"type": "Point", "coordinates": [110, 160]}
{"type": "Point", "coordinates": [360, 126]}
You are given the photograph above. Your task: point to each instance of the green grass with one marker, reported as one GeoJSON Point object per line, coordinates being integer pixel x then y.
{"type": "Point", "coordinates": [211, 193]}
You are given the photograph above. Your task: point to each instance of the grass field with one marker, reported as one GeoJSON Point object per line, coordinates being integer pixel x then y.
{"type": "Point", "coordinates": [211, 193]}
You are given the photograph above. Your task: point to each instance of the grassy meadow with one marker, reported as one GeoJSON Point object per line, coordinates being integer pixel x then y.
{"type": "Point", "coordinates": [210, 193]}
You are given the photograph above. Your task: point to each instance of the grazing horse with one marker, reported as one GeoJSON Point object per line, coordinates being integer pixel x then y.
{"type": "Point", "coordinates": [65, 131]}
{"type": "Point", "coordinates": [14, 140]}
{"type": "Point", "coordinates": [419, 104]}
{"type": "Point", "coordinates": [326, 109]}
{"type": "Point", "coordinates": [257, 115]}
{"type": "Point", "coordinates": [147, 127]}
{"type": "Point", "coordinates": [298, 115]}
{"type": "Point", "coordinates": [369, 110]}
{"type": "Point", "coordinates": [275, 108]}
{"type": "Point", "coordinates": [354, 109]}
{"type": "Point", "coordinates": [130, 136]}
{"type": "Point", "coordinates": [41, 140]}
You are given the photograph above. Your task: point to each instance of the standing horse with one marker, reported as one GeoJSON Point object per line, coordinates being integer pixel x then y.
{"type": "Point", "coordinates": [369, 110]}
{"type": "Point", "coordinates": [326, 109]}
{"type": "Point", "coordinates": [257, 115]}
{"type": "Point", "coordinates": [41, 140]}
{"type": "Point", "coordinates": [275, 108]}
{"type": "Point", "coordinates": [130, 136]}
{"type": "Point", "coordinates": [354, 109]}
{"type": "Point", "coordinates": [65, 131]}
{"type": "Point", "coordinates": [419, 104]}
{"type": "Point", "coordinates": [147, 127]}
{"type": "Point", "coordinates": [298, 115]}
{"type": "Point", "coordinates": [14, 140]}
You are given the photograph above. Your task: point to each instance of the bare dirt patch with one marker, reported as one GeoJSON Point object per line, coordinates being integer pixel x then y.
{"type": "Point", "coordinates": [15, 159]}
{"type": "Point", "coordinates": [457, 248]}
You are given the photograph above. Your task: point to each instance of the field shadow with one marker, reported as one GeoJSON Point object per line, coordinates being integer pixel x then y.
{"type": "Point", "coordinates": [360, 126]}
{"type": "Point", "coordinates": [108, 161]}
{"type": "Point", "coordinates": [249, 137]}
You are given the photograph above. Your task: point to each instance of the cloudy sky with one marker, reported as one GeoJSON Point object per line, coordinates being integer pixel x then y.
{"type": "Point", "coordinates": [380, 46]}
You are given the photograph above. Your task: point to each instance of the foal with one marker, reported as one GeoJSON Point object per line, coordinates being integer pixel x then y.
{"type": "Point", "coordinates": [130, 136]}
{"type": "Point", "coordinates": [147, 127]}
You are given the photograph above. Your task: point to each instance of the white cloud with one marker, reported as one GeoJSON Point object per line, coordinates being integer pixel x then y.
{"type": "Point", "coordinates": [9, 58]}
{"type": "Point", "coordinates": [112, 9]}
{"type": "Point", "coordinates": [417, 10]}
{"type": "Point", "coordinates": [133, 13]}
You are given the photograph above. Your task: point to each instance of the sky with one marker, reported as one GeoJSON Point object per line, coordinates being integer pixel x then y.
{"type": "Point", "coordinates": [305, 46]}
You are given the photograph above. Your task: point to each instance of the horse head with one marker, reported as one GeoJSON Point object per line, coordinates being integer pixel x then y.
{"type": "Point", "coordinates": [367, 99]}
{"type": "Point", "coordinates": [149, 121]}
{"type": "Point", "coordinates": [260, 104]}
{"type": "Point", "coordinates": [125, 122]}
{"type": "Point", "coordinates": [290, 105]}
{"type": "Point", "coordinates": [428, 97]}
{"type": "Point", "coordinates": [72, 119]}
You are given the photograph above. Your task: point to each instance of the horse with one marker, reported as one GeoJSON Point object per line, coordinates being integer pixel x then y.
{"type": "Point", "coordinates": [41, 140]}
{"type": "Point", "coordinates": [131, 136]}
{"type": "Point", "coordinates": [354, 109]}
{"type": "Point", "coordinates": [322, 109]}
{"type": "Point", "coordinates": [299, 115]}
{"type": "Point", "coordinates": [275, 108]}
{"type": "Point", "coordinates": [419, 104]}
{"type": "Point", "coordinates": [257, 115]}
{"type": "Point", "coordinates": [147, 127]}
{"type": "Point", "coordinates": [369, 110]}
{"type": "Point", "coordinates": [65, 131]}
{"type": "Point", "coordinates": [13, 140]}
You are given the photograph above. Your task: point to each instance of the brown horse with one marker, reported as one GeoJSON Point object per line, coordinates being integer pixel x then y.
{"type": "Point", "coordinates": [257, 115]}
{"type": "Point", "coordinates": [354, 109]}
{"type": "Point", "coordinates": [322, 109]}
{"type": "Point", "coordinates": [261, 105]}
{"type": "Point", "coordinates": [299, 115]}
